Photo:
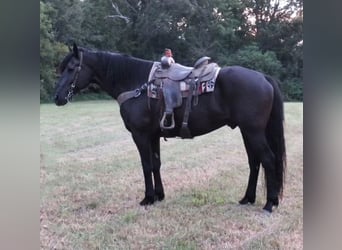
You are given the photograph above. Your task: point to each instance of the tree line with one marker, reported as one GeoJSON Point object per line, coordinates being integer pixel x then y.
{"type": "Point", "coordinates": [265, 35]}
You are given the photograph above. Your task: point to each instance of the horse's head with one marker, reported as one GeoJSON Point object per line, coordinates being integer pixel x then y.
{"type": "Point", "coordinates": [75, 75]}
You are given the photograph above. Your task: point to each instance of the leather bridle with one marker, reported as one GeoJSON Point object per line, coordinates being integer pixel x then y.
{"type": "Point", "coordinates": [73, 84]}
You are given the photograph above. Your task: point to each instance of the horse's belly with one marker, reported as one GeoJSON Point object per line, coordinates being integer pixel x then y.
{"type": "Point", "coordinates": [204, 126]}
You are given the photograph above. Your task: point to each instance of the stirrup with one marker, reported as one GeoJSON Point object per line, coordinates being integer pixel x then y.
{"type": "Point", "coordinates": [163, 120]}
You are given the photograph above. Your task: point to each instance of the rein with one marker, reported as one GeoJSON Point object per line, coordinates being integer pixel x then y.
{"type": "Point", "coordinates": [73, 84]}
{"type": "Point", "coordinates": [131, 94]}
{"type": "Point", "coordinates": [137, 92]}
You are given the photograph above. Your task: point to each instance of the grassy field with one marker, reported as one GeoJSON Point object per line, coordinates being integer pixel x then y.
{"type": "Point", "coordinates": [91, 183]}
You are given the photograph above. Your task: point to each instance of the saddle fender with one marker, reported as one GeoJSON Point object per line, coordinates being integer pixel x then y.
{"type": "Point", "coordinates": [172, 95]}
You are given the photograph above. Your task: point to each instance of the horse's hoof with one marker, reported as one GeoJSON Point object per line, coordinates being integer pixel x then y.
{"type": "Point", "coordinates": [268, 206]}
{"type": "Point", "coordinates": [159, 196]}
{"type": "Point", "coordinates": [245, 200]}
{"type": "Point", "coordinates": [275, 202]}
{"type": "Point", "coordinates": [266, 212]}
{"type": "Point", "coordinates": [147, 201]}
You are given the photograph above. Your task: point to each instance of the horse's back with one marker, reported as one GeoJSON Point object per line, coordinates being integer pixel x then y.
{"type": "Point", "coordinates": [243, 80]}
{"type": "Point", "coordinates": [247, 93]}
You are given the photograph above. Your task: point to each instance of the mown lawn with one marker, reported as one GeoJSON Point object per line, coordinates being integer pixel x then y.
{"type": "Point", "coordinates": [91, 183]}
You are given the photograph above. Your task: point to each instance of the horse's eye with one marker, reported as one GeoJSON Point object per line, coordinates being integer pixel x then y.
{"type": "Point", "coordinates": [70, 69]}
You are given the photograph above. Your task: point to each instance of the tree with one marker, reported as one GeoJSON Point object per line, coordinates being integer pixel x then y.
{"type": "Point", "coordinates": [190, 28]}
{"type": "Point", "coordinates": [264, 35]}
{"type": "Point", "coordinates": [98, 30]}
{"type": "Point", "coordinates": [67, 20]}
{"type": "Point", "coordinates": [252, 57]}
{"type": "Point", "coordinates": [50, 52]}
{"type": "Point", "coordinates": [278, 26]}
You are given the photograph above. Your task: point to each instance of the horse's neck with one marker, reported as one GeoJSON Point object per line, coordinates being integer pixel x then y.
{"type": "Point", "coordinates": [120, 73]}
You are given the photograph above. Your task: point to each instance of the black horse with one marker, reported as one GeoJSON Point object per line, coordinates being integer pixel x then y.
{"type": "Point", "coordinates": [242, 97]}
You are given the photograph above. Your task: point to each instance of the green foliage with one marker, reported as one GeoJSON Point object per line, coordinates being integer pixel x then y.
{"type": "Point", "coordinates": [252, 57]}
{"type": "Point", "coordinates": [51, 51]}
{"type": "Point", "coordinates": [293, 89]}
{"type": "Point", "coordinates": [257, 34]}
{"type": "Point", "coordinates": [67, 20]}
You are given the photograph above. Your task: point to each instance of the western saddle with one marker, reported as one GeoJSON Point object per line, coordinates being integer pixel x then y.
{"type": "Point", "coordinates": [176, 82]}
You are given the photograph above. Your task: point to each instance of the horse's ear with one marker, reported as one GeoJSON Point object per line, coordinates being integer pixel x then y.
{"type": "Point", "coordinates": [75, 50]}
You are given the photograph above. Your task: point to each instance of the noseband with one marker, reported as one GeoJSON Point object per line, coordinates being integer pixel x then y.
{"type": "Point", "coordinates": [73, 84]}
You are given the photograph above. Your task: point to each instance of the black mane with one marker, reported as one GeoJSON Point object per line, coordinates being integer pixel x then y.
{"type": "Point", "coordinates": [123, 68]}
{"type": "Point", "coordinates": [116, 67]}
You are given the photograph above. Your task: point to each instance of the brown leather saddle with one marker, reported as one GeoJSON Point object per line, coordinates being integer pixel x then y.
{"type": "Point", "coordinates": [177, 82]}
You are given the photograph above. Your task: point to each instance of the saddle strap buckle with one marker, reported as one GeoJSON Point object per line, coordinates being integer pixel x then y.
{"type": "Point", "coordinates": [137, 93]}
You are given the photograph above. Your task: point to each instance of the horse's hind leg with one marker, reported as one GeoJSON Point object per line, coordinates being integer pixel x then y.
{"type": "Point", "coordinates": [254, 166]}
{"type": "Point", "coordinates": [260, 148]}
{"type": "Point", "coordinates": [158, 185]}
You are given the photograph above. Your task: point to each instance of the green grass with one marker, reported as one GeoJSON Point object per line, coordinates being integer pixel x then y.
{"type": "Point", "coordinates": [92, 181]}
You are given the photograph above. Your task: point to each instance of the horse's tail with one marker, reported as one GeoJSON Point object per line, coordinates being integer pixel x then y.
{"type": "Point", "coordinates": [275, 134]}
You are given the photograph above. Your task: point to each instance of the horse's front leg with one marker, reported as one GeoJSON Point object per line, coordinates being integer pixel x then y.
{"type": "Point", "coordinates": [159, 190]}
{"type": "Point", "coordinates": [143, 143]}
